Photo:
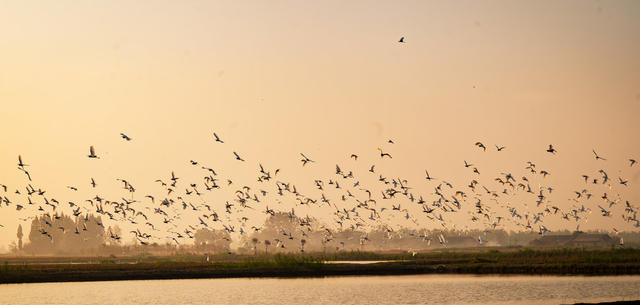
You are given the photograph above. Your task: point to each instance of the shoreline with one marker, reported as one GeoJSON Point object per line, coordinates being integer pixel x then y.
{"type": "Point", "coordinates": [592, 262]}
{"type": "Point", "coordinates": [173, 270]}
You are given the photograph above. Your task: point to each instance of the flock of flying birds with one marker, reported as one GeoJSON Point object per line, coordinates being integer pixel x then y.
{"type": "Point", "coordinates": [181, 207]}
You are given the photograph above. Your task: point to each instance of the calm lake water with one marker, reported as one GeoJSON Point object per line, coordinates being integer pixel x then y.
{"type": "Point", "coordinates": [420, 289]}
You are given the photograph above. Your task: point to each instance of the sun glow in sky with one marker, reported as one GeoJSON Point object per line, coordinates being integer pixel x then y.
{"type": "Point", "coordinates": [328, 79]}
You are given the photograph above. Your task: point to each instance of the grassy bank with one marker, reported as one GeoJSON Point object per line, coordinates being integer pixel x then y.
{"type": "Point", "coordinates": [505, 261]}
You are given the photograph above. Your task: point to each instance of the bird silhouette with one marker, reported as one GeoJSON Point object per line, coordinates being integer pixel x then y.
{"type": "Point", "coordinates": [429, 178]}
{"type": "Point", "coordinates": [124, 136]}
{"type": "Point", "coordinates": [358, 203]}
{"type": "Point", "coordinates": [217, 138]}
{"type": "Point", "coordinates": [383, 154]}
{"type": "Point", "coordinates": [92, 153]}
{"type": "Point", "coordinates": [237, 156]}
{"type": "Point", "coordinates": [305, 159]}
{"type": "Point", "coordinates": [598, 157]}
{"type": "Point", "coordinates": [20, 164]}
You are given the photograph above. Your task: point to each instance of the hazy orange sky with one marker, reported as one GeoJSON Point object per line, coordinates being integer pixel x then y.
{"type": "Point", "coordinates": [328, 79]}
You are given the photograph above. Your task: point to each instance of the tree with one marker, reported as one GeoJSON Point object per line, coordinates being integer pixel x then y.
{"type": "Point", "coordinates": [59, 234]}
{"type": "Point", "coordinates": [20, 237]}
{"type": "Point", "coordinates": [267, 243]}
{"type": "Point", "coordinates": [13, 247]}
{"type": "Point", "coordinates": [212, 240]}
{"type": "Point", "coordinates": [254, 241]}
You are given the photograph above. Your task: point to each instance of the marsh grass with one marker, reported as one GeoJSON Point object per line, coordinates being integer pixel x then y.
{"type": "Point", "coordinates": [493, 261]}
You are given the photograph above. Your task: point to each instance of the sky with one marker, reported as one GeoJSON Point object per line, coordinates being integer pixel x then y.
{"type": "Point", "coordinates": [328, 79]}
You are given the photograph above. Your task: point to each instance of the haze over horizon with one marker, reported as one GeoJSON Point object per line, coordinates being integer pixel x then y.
{"type": "Point", "coordinates": [280, 78]}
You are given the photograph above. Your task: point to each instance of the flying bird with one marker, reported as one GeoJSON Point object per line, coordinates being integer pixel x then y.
{"type": "Point", "coordinates": [383, 154]}
{"type": "Point", "coordinates": [25, 172]}
{"type": "Point", "coordinates": [598, 157]}
{"type": "Point", "coordinates": [623, 182]}
{"type": "Point", "coordinates": [305, 159]}
{"type": "Point", "coordinates": [349, 215]}
{"type": "Point", "coordinates": [92, 153]}
{"type": "Point", "coordinates": [20, 164]}
{"type": "Point", "coordinates": [237, 156]}
{"type": "Point", "coordinates": [429, 178]}
{"type": "Point", "coordinates": [124, 136]}
{"type": "Point", "coordinates": [217, 138]}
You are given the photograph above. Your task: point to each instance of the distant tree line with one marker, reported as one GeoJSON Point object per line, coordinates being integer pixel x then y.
{"type": "Point", "coordinates": [64, 235]}
{"type": "Point", "coordinates": [60, 234]}
{"type": "Point", "coordinates": [282, 232]}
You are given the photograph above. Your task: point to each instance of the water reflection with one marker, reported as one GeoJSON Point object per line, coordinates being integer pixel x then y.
{"type": "Point", "coordinates": [421, 289]}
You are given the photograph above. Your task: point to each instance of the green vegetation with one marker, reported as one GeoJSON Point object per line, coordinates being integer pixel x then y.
{"type": "Point", "coordinates": [470, 261]}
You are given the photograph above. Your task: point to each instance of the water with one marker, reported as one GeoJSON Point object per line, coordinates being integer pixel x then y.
{"type": "Point", "coordinates": [420, 289]}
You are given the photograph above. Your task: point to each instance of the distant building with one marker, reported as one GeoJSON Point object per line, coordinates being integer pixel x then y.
{"type": "Point", "coordinates": [575, 240]}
